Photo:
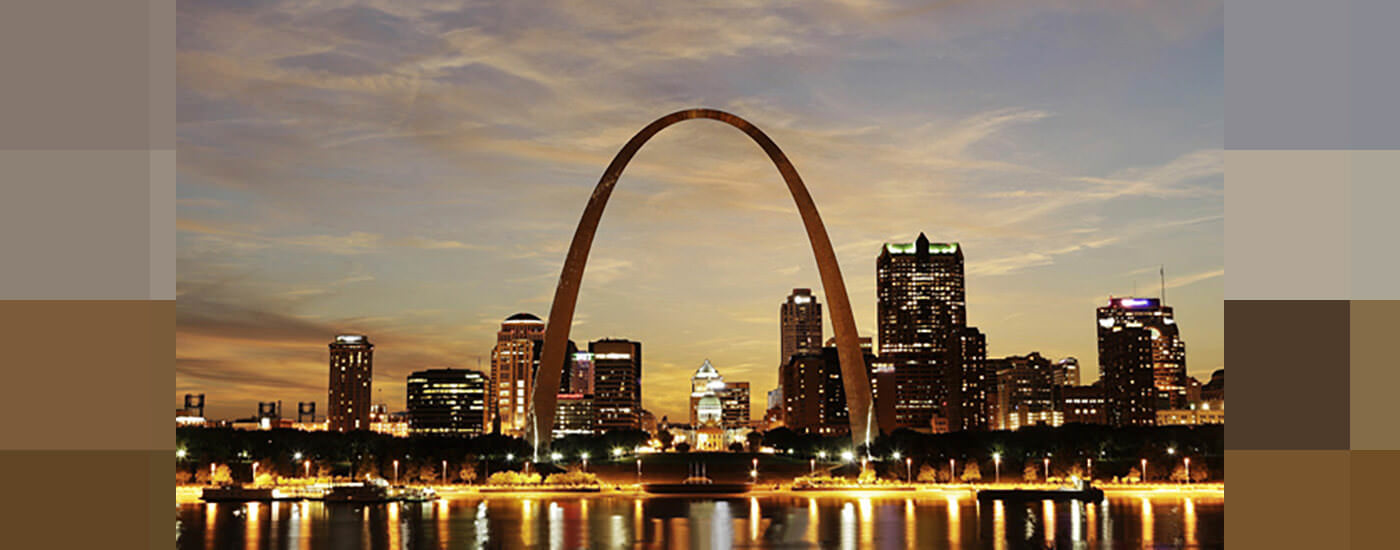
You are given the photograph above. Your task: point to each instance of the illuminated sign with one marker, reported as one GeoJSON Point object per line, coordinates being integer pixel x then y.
{"type": "Point", "coordinates": [612, 356]}
{"type": "Point", "coordinates": [933, 248]}
{"type": "Point", "coordinates": [1136, 302]}
{"type": "Point", "coordinates": [801, 299]}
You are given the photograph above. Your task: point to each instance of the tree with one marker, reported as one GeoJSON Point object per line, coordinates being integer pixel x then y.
{"type": "Point", "coordinates": [427, 473]}
{"type": "Point", "coordinates": [665, 437]}
{"type": "Point", "coordinates": [684, 447]}
{"type": "Point", "coordinates": [755, 441]}
{"type": "Point", "coordinates": [866, 476]}
{"type": "Point", "coordinates": [264, 478]}
{"type": "Point", "coordinates": [972, 472]}
{"type": "Point", "coordinates": [1199, 473]}
{"type": "Point", "coordinates": [222, 475]}
{"type": "Point", "coordinates": [927, 474]}
{"type": "Point", "coordinates": [1031, 472]}
{"type": "Point", "coordinates": [467, 473]}
{"type": "Point", "coordinates": [1134, 475]}
{"type": "Point", "coordinates": [1178, 474]}
{"type": "Point", "coordinates": [736, 447]}
{"type": "Point", "coordinates": [182, 477]}
{"type": "Point", "coordinates": [572, 477]}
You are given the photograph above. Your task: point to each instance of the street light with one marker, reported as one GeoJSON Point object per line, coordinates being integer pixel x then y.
{"type": "Point", "coordinates": [1171, 450]}
{"type": "Point", "coordinates": [255, 473]}
{"type": "Point", "coordinates": [1142, 477]}
{"type": "Point", "coordinates": [1047, 469]}
{"type": "Point", "coordinates": [895, 455]}
{"type": "Point", "coordinates": [584, 456]}
{"type": "Point", "coordinates": [847, 456]}
{"type": "Point", "coordinates": [812, 462]}
{"type": "Point", "coordinates": [908, 470]}
{"type": "Point", "coordinates": [996, 459]}
{"type": "Point", "coordinates": [211, 473]}
{"type": "Point", "coordinates": [1188, 469]}
{"type": "Point", "coordinates": [1089, 469]}
{"type": "Point", "coordinates": [555, 456]}
{"type": "Point", "coordinates": [296, 455]}
{"type": "Point", "coordinates": [639, 470]}
{"type": "Point", "coordinates": [180, 454]}
{"type": "Point", "coordinates": [444, 472]}
{"type": "Point", "coordinates": [396, 471]}
{"type": "Point", "coordinates": [617, 451]}
{"type": "Point", "coordinates": [821, 455]}
{"type": "Point", "coordinates": [510, 457]}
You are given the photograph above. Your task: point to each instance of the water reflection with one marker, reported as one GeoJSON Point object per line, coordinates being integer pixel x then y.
{"type": "Point", "coordinates": [919, 520]}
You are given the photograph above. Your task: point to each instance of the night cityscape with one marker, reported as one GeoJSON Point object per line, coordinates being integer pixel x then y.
{"type": "Point", "coordinates": [404, 320]}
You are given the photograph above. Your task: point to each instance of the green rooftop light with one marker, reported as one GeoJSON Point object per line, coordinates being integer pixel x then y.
{"type": "Point", "coordinates": [933, 248]}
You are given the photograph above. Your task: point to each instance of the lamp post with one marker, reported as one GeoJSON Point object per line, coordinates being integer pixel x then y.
{"type": "Point", "coordinates": [180, 454]}
{"type": "Point", "coordinates": [1047, 469]}
{"type": "Point", "coordinates": [908, 470]}
{"type": "Point", "coordinates": [755, 469]}
{"type": "Point", "coordinates": [812, 463]}
{"type": "Point", "coordinates": [1142, 476]}
{"type": "Point", "coordinates": [639, 471]}
{"type": "Point", "coordinates": [255, 473]}
{"type": "Point", "coordinates": [211, 473]}
{"type": "Point", "coordinates": [584, 456]}
{"type": "Point", "coordinates": [396, 471]}
{"type": "Point", "coordinates": [1187, 460]}
{"type": "Point", "coordinates": [1089, 468]}
{"type": "Point", "coordinates": [444, 472]}
{"type": "Point", "coordinates": [306, 466]}
{"type": "Point", "coordinates": [952, 472]}
{"type": "Point", "coordinates": [996, 459]}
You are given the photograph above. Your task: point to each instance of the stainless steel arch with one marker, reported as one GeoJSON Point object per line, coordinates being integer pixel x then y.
{"type": "Point", "coordinates": [561, 315]}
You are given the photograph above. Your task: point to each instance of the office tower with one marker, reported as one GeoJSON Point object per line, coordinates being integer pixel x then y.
{"type": "Point", "coordinates": [574, 415]}
{"type": "Point", "coordinates": [581, 373]}
{"type": "Point", "coordinates": [447, 402]}
{"type": "Point", "coordinates": [1066, 372]}
{"type": "Point", "coordinates": [617, 383]}
{"type": "Point", "coordinates": [921, 310]}
{"type": "Point", "coordinates": [801, 317]}
{"type": "Point", "coordinates": [1025, 392]}
{"type": "Point", "coordinates": [514, 360]}
{"type": "Point", "coordinates": [814, 393]}
{"type": "Point", "coordinates": [971, 384]}
{"type": "Point", "coordinates": [735, 401]}
{"type": "Point", "coordinates": [1168, 351]}
{"type": "Point", "coordinates": [1083, 404]}
{"type": "Point", "coordinates": [1214, 390]}
{"type": "Point", "coordinates": [351, 368]}
{"type": "Point", "coordinates": [1126, 368]}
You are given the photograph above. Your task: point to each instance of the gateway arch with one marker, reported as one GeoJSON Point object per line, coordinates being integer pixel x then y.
{"type": "Point", "coordinates": [859, 399]}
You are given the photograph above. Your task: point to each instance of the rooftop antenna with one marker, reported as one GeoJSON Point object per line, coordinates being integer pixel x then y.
{"type": "Point", "coordinates": [1162, 271]}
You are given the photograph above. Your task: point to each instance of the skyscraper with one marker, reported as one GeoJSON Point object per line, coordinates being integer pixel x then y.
{"type": "Point", "coordinates": [1026, 392]}
{"type": "Point", "coordinates": [814, 393]}
{"type": "Point", "coordinates": [1168, 351]}
{"type": "Point", "coordinates": [735, 400]}
{"type": "Point", "coordinates": [447, 402]}
{"type": "Point", "coordinates": [617, 383]}
{"type": "Point", "coordinates": [972, 384]}
{"type": "Point", "coordinates": [351, 367]}
{"type": "Point", "coordinates": [921, 310]}
{"type": "Point", "coordinates": [1125, 364]}
{"type": "Point", "coordinates": [801, 317]}
{"type": "Point", "coordinates": [1066, 372]}
{"type": "Point", "coordinates": [514, 360]}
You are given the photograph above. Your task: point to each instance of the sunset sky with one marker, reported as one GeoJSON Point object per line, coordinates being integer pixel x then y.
{"type": "Point", "coordinates": [414, 171]}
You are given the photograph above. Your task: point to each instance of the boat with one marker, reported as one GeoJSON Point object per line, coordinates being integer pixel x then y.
{"type": "Point", "coordinates": [239, 493]}
{"type": "Point", "coordinates": [1077, 490]}
{"type": "Point", "coordinates": [378, 491]}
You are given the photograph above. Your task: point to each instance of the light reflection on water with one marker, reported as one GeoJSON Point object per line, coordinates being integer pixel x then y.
{"type": "Point", "coordinates": [618, 521]}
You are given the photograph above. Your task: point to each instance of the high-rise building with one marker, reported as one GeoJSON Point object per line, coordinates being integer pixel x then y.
{"type": "Point", "coordinates": [351, 368]}
{"type": "Point", "coordinates": [514, 360]}
{"type": "Point", "coordinates": [921, 312]}
{"type": "Point", "coordinates": [1083, 404]}
{"type": "Point", "coordinates": [801, 317]}
{"type": "Point", "coordinates": [1125, 364]}
{"type": "Point", "coordinates": [971, 383]}
{"type": "Point", "coordinates": [1025, 392]}
{"type": "Point", "coordinates": [1214, 390]}
{"type": "Point", "coordinates": [814, 393]}
{"type": "Point", "coordinates": [1066, 372]}
{"type": "Point", "coordinates": [581, 373]}
{"type": "Point", "coordinates": [1168, 351]}
{"type": "Point", "coordinates": [574, 415]}
{"type": "Point", "coordinates": [735, 400]}
{"type": "Point", "coordinates": [447, 402]}
{"type": "Point", "coordinates": [617, 383]}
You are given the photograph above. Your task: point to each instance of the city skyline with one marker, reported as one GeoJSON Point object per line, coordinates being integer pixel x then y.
{"type": "Point", "coordinates": [425, 235]}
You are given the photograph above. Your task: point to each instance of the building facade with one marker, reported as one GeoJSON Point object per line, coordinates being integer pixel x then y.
{"type": "Point", "coordinates": [617, 383]}
{"type": "Point", "coordinates": [447, 402]}
{"type": "Point", "coordinates": [1168, 350]}
{"type": "Point", "coordinates": [351, 368]}
{"type": "Point", "coordinates": [1025, 392]}
{"type": "Point", "coordinates": [801, 318]}
{"type": "Point", "coordinates": [514, 360]}
{"type": "Point", "coordinates": [573, 415]}
{"type": "Point", "coordinates": [814, 393]}
{"type": "Point", "coordinates": [1083, 404]}
{"type": "Point", "coordinates": [1125, 364]}
{"type": "Point", "coordinates": [921, 311]}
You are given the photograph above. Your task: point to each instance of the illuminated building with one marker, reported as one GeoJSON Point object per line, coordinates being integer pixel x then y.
{"type": "Point", "coordinates": [814, 394]}
{"type": "Point", "coordinates": [1066, 372]}
{"type": "Point", "coordinates": [1025, 392]}
{"type": "Point", "coordinates": [1214, 390]}
{"type": "Point", "coordinates": [1082, 404]}
{"type": "Point", "coordinates": [617, 383]}
{"type": "Point", "coordinates": [382, 421]}
{"type": "Point", "coordinates": [1195, 415]}
{"type": "Point", "coordinates": [574, 415]}
{"type": "Point", "coordinates": [920, 309]}
{"type": "Point", "coordinates": [1168, 351]}
{"type": "Point", "coordinates": [514, 360]}
{"type": "Point", "coordinates": [801, 317]}
{"type": "Point", "coordinates": [447, 402]}
{"type": "Point", "coordinates": [971, 384]}
{"type": "Point", "coordinates": [1125, 364]}
{"type": "Point", "coordinates": [351, 368]}
{"type": "Point", "coordinates": [773, 417]}
{"type": "Point", "coordinates": [580, 374]}
{"type": "Point", "coordinates": [733, 397]}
